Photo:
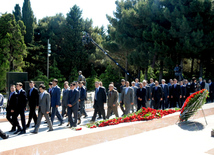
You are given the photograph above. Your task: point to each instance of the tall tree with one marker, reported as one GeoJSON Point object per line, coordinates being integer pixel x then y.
{"type": "Point", "coordinates": [28, 19]}
{"type": "Point", "coordinates": [17, 12]}
{"type": "Point", "coordinates": [12, 46]}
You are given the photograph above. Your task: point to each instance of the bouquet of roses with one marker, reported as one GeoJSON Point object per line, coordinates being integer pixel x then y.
{"type": "Point", "coordinates": [192, 104]}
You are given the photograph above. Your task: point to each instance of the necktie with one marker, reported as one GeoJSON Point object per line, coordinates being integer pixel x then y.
{"type": "Point", "coordinates": [31, 91]}
{"type": "Point", "coordinates": [156, 88]}
{"type": "Point", "coordinates": [96, 93]}
{"type": "Point", "coordinates": [41, 96]}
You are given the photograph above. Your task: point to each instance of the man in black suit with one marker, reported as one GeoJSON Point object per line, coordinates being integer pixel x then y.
{"type": "Point", "coordinates": [73, 105]}
{"type": "Point", "coordinates": [176, 94]}
{"type": "Point", "coordinates": [165, 91]}
{"type": "Point", "coordinates": [82, 98]}
{"type": "Point", "coordinates": [183, 92]}
{"type": "Point", "coordinates": [157, 95]}
{"type": "Point", "coordinates": [21, 106]}
{"type": "Point", "coordinates": [121, 91]}
{"type": "Point", "coordinates": [99, 101]}
{"type": "Point", "coordinates": [12, 100]}
{"type": "Point", "coordinates": [194, 85]}
{"type": "Point", "coordinates": [33, 101]}
{"type": "Point", "coordinates": [202, 83]}
{"type": "Point", "coordinates": [141, 96]}
{"type": "Point", "coordinates": [152, 84]}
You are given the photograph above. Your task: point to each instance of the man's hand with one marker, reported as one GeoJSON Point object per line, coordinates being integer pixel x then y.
{"type": "Point", "coordinates": [152, 98]}
{"type": "Point", "coordinates": [139, 98]}
{"type": "Point", "coordinates": [149, 99]}
{"type": "Point", "coordinates": [57, 106]}
{"type": "Point", "coordinates": [12, 110]}
{"type": "Point", "coordinates": [167, 96]}
{"type": "Point", "coordinates": [47, 112]}
{"type": "Point", "coordinates": [37, 107]}
{"type": "Point", "coordinates": [114, 105]}
{"type": "Point", "coordinates": [70, 105]}
{"type": "Point", "coordinates": [161, 99]}
{"type": "Point", "coordinates": [180, 96]}
{"type": "Point", "coordinates": [184, 96]}
{"type": "Point", "coordinates": [171, 96]}
{"type": "Point", "coordinates": [79, 100]}
{"type": "Point", "coordinates": [132, 103]}
{"type": "Point", "coordinates": [120, 101]}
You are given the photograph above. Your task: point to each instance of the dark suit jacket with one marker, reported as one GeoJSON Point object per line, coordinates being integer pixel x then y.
{"type": "Point", "coordinates": [121, 88]}
{"type": "Point", "coordinates": [183, 90]}
{"type": "Point", "coordinates": [82, 93]}
{"type": "Point", "coordinates": [55, 96]}
{"type": "Point", "coordinates": [148, 92]}
{"type": "Point", "coordinates": [22, 99]}
{"type": "Point", "coordinates": [193, 87]}
{"type": "Point", "coordinates": [34, 98]}
{"type": "Point", "coordinates": [157, 94]}
{"type": "Point", "coordinates": [142, 93]}
{"type": "Point", "coordinates": [73, 97]}
{"type": "Point", "coordinates": [12, 102]}
{"type": "Point", "coordinates": [165, 90]}
{"type": "Point", "coordinates": [176, 91]}
{"type": "Point", "coordinates": [211, 86]}
{"type": "Point", "coordinates": [202, 85]}
{"type": "Point", "coordinates": [101, 96]}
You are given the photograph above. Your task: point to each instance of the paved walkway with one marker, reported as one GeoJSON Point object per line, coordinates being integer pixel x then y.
{"type": "Point", "coordinates": [159, 136]}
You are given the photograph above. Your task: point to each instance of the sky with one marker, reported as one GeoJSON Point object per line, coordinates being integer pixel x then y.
{"type": "Point", "coordinates": [92, 9]}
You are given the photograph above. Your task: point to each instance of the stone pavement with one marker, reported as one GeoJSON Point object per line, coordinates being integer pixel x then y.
{"type": "Point", "coordinates": [159, 136]}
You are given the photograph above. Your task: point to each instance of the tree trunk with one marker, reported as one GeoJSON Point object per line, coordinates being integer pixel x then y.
{"type": "Point", "coordinates": [126, 60]}
{"type": "Point", "coordinates": [192, 67]}
{"type": "Point", "coordinates": [161, 71]}
{"type": "Point", "coordinates": [146, 73]}
{"type": "Point", "coordinates": [201, 69]}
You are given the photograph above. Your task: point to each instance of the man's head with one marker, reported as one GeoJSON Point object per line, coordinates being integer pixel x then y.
{"type": "Point", "coordinates": [194, 80]}
{"type": "Point", "coordinates": [73, 86]}
{"type": "Point", "coordinates": [123, 82]}
{"type": "Point", "coordinates": [41, 88]}
{"type": "Point", "coordinates": [50, 84]}
{"type": "Point", "coordinates": [205, 81]}
{"type": "Point", "coordinates": [12, 88]}
{"type": "Point", "coordinates": [31, 84]}
{"type": "Point", "coordinates": [66, 84]}
{"type": "Point", "coordinates": [210, 80]}
{"type": "Point", "coordinates": [200, 79]}
{"type": "Point", "coordinates": [185, 81]}
{"type": "Point", "coordinates": [19, 85]}
{"type": "Point", "coordinates": [171, 81]}
{"type": "Point", "coordinates": [144, 83]}
{"type": "Point", "coordinates": [156, 83]}
{"type": "Point", "coordinates": [127, 83]}
{"type": "Point", "coordinates": [181, 83]}
{"type": "Point", "coordinates": [97, 84]}
{"type": "Point", "coordinates": [133, 83]}
{"type": "Point", "coordinates": [175, 81]}
{"type": "Point", "coordinates": [163, 81]}
{"type": "Point", "coordinates": [111, 87]}
{"type": "Point", "coordinates": [55, 82]}
{"type": "Point", "coordinates": [101, 83]}
{"type": "Point", "coordinates": [141, 85]}
{"type": "Point", "coordinates": [151, 80]}
{"type": "Point", "coordinates": [80, 72]}
{"type": "Point", "coordinates": [136, 80]}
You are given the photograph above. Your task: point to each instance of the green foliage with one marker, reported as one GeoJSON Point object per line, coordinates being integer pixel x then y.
{"type": "Point", "coordinates": [28, 19]}
{"type": "Point", "coordinates": [92, 79]}
{"type": "Point", "coordinates": [41, 77]}
{"type": "Point", "coordinates": [17, 13]}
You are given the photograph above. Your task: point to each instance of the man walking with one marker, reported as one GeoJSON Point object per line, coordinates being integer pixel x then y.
{"type": "Point", "coordinates": [99, 101]}
{"type": "Point", "coordinates": [44, 109]}
{"type": "Point", "coordinates": [82, 98]}
{"type": "Point", "coordinates": [21, 106]}
{"type": "Point", "coordinates": [65, 98]}
{"type": "Point", "coordinates": [127, 97]}
{"type": "Point", "coordinates": [112, 101]}
{"type": "Point", "coordinates": [55, 102]}
{"type": "Point", "coordinates": [33, 101]}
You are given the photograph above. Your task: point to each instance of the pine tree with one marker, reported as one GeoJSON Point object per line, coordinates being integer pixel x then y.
{"type": "Point", "coordinates": [28, 19]}
{"type": "Point", "coordinates": [17, 12]}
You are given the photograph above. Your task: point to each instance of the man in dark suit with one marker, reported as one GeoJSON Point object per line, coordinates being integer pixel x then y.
{"type": "Point", "coordinates": [141, 96]}
{"type": "Point", "coordinates": [152, 84]}
{"type": "Point", "coordinates": [12, 100]}
{"type": "Point", "coordinates": [194, 86]}
{"type": "Point", "coordinates": [99, 101]}
{"type": "Point", "coordinates": [112, 101]}
{"type": "Point", "coordinates": [21, 106]}
{"type": "Point", "coordinates": [165, 91]}
{"type": "Point", "coordinates": [55, 102]}
{"type": "Point", "coordinates": [183, 92]}
{"type": "Point", "coordinates": [148, 93]}
{"type": "Point", "coordinates": [176, 94]}
{"type": "Point", "coordinates": [65, 98]}
{"type": "Point", "coordinates": [44, 108]}
{"type": "Point", "coordinates": [157, 95]}
{"type": "Point", "coordinates": [33, 101]}
{"type": "Point", "coordinates": [82, 98]}
{"type": "Point", "coordinates": [121, 91]}
{"type": "Point", "coordinates": [202, 83]}
{"type": "Point", "coordinates": [73, 105]}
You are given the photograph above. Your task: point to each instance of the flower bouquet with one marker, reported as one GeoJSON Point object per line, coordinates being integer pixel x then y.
{"type": "Point", "coordinates": [192, 104]}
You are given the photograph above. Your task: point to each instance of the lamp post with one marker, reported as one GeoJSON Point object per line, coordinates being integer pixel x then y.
{"type": "Point", "coordinates": [48, 55]}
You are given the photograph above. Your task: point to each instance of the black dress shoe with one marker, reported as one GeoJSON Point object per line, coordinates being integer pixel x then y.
{"type": "Point", "coordinates": [85, 116]}
{"type": "Point", "coordinates": [34, 132]}
{"type": "Point", "coordinates": [27, 126]}
{"type": "Point", "coordinates": [12, 130]}
{"type": "Point", "coordinates": [99, 118]}
{"type": "Point", "coordinates": [50, 130]}
{"type": "Point", "coordinates": [45, 122]}
{"type": "Point", "coordinates": [68, 124]}
{"type": "Point", "coordinates": [4, 136]}
{"type": "Point", "coordinates": [33, 126]}
{"type": "Point", "coordinates": [17, 131]}
{"type": "Point", "coordinates": [79, 121]}
{"type": "Point", "coordinates": [22, 132]}
{"type": "Point", "coordinates": [61, 124]}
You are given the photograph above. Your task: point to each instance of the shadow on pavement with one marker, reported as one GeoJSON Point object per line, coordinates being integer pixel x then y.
{"type": "Point", "coordinates": [191, 126]}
